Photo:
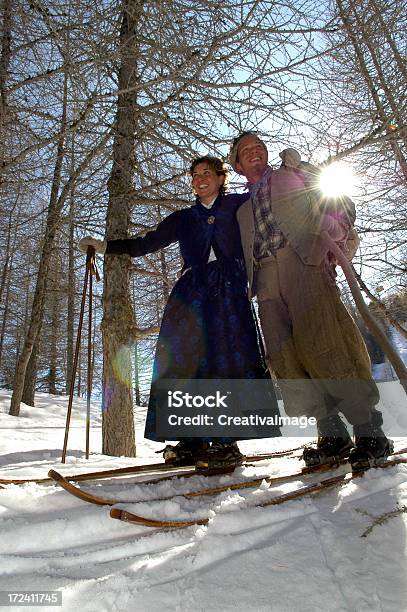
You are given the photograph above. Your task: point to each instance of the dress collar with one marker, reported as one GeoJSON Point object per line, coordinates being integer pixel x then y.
{"type": "Point", "coordinates": [209, 208]}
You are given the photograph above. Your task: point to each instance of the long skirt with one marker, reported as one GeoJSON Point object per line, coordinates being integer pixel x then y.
{"type": "Point", "coordinates": [209, 331]}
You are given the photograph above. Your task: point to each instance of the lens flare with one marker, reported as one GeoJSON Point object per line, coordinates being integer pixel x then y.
{"type": "Point", "coordinates": [122, 365]}
{"type": "Point", "coordinates": [337, 179]}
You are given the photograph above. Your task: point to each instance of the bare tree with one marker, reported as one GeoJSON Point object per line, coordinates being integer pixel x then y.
{"type": "Point", "coordinates": [150, 85]}
{"type": "Point", "coordinates": [118, 318]}
{"type": "Point", "coordinates": [364, 118]}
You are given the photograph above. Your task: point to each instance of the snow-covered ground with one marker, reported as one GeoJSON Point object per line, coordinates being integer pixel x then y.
{"type": "Point", "coordinates": [305, 555]}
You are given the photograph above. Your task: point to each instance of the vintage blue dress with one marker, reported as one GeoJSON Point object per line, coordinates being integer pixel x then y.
{"type": "Point", "coordinates": [208, 329]}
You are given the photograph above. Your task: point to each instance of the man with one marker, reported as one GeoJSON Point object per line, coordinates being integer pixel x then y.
{"type": "Point", "coordinates": [313, 345]}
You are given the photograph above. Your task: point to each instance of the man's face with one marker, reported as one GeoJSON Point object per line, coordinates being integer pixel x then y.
{"type": "Point", "coordinates": [252, 156]}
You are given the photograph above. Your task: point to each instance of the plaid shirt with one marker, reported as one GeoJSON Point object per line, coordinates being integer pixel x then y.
{"type": "Point", "coordinates": [268, 238]}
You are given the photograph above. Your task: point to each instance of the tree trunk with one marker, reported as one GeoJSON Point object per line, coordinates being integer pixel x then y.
{"type": "Point", "coordinates": [79, 375]}
{"type": "Point", "coordinates": [7, 280]}
{"type": "Point", "coordinates": [54, 333]}
{"type": "Point", "coordinates": [71, 300]}
{"type": "Point", "coordinates": [4, 69]}
{"type": "Point", "coordinates": [118, 326]}
{"type": "Point", "coordinates": [53, 219]}
{"type": "Point", "coordinates": [30, 379]}
{"type": "Point", "coordinates": [136, 362]}
{"type": "Point", "coordinates": [7, 250]}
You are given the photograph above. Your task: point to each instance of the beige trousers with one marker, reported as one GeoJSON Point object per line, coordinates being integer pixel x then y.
{"type": "Point", "coordinates": [312, 343]}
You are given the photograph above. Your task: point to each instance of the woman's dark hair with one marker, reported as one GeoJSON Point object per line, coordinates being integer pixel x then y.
{"type": "Point", "coordinates": [214, 163]}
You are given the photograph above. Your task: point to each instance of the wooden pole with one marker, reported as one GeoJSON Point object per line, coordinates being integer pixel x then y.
{"type": "Point", "coordinates": [89, 258]}
{"type": "Point", "coordinates": [89, 377]}
{"type": "Point", "coordinates": [368, 318]}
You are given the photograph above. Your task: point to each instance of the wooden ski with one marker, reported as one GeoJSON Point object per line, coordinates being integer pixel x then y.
{"type": "Point", "coordinates": [136, 469]}
{"type": "Point", "coordinates": [311, 489]}
{"type": "Point", "coordinates": [252, 483]}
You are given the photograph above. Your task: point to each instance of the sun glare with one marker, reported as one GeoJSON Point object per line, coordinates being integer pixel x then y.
{"type": "Point", "coordinates": [337, 179]}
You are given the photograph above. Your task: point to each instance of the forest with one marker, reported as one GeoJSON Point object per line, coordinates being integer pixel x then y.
{"type": "Point", "coordinates": [103, 105]}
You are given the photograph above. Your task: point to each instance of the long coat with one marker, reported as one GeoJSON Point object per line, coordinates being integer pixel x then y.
{"type": "Point", "coordinates": [208, 330]}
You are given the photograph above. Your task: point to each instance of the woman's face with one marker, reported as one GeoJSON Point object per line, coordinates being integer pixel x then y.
{"type": "Point", "coordinates": [206, 183]}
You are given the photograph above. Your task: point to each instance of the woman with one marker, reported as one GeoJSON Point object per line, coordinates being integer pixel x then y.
{"type": "Point", "coordinates": [208, 330]}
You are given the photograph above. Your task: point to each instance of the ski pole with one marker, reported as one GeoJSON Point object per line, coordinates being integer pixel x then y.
{"type": "Point", "coordinates": [90, 270]}
{"type": "Point", "coordinates": [368, 318]}
{"type": "Point", "coordinates": [89, 373]}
